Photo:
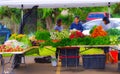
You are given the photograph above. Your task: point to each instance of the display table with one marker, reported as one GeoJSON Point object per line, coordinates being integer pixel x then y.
{"type": "Point", "coordinates": [13, 55]}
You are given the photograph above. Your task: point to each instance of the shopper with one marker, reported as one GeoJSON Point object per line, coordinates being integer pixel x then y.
{"type": "Point", "coordinates": [58, 26]}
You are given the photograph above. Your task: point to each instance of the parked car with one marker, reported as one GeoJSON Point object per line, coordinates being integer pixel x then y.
{"type": "Point", "coordinates": [96, 15]}
{"type": "Point", "coordinates": [88, 25]}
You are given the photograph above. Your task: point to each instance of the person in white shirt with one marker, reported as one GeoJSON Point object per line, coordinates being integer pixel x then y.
{"type": "Point", "coordinates": [107, 25]}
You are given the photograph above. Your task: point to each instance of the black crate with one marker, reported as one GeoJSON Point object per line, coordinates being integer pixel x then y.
{"type": "Point", "coordinates": [69, 52]}
{"type": "Point", "coordinates": [94, 61]}
{"type": "Point", "coordinates": [70, 62]}
{"type": "Point", "coordinates": [119, 66]}
{"type": "Point", "coordinates": [119, 55]}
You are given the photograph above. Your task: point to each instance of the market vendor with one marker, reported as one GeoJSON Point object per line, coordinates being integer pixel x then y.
{"type": "Point", "coordinates": [106, 26]}
{"type": "Point", "coordinates": [76, 24]}
{"type": "Point", "coordinates": [58, 26]}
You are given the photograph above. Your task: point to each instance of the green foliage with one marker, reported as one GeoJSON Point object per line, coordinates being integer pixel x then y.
{"type": "Point", "coordinates": [113, 32]}
{"type": "Point", "coordinates": [26, 41]}
{"type": "Point", "coordinates": [66, 19]}
{"type": "Point", "coordinates": [47, 12]}
{"type": "Point", "coordinates": [79, 41]}
{"type": "Point", "coordinates": [59, 35]}
{"type": "Point", "coordinates": [114, 40]}
{"type": "Point", "coordinates": [93, 29]}
{"type": "Point", "coordinates": [42, 35]}
{"type": "Point", "coordinates": [91, 51]}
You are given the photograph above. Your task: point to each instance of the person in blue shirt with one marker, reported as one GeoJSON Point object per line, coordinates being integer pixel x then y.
{"type": "Point", "coordinates": [58, 26]}
{"type": "Point", "coordinates": [76, 24]}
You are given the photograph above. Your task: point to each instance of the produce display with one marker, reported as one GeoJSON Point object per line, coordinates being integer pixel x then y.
{"type": "Point", "coordinates": [76, 34]}
{"type": "Point", "coordinates": [113, 32]}
{"type": "Point", "coordinates": [13, 46]}
{"type": "Point", "coordinates": [59, 35]}
{"type": "Point", "coordinates": [4, 48]}
{"type": "Point", "coordinates": [42, 35]}
{"type": "Point", "coordinates": [93, 29]}
{"type": "Point", "coordinates": [19, 42]}
{"type": "Point", "coordinates": [98, 31]}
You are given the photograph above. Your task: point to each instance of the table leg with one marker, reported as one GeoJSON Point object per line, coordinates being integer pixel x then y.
{"type": "Point", "coordinates": [2, 63]}
{"type": "Point", "coordinates": [66, 57]}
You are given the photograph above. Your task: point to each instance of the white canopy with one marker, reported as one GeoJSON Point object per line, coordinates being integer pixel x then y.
{"type": "Point", "coordinates": [56, 3]}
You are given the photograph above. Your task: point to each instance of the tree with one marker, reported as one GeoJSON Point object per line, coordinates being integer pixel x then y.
{"type": "Point", "coordinates": [48, 15]}
{"type": "Point", "coordinates": [117, 8]}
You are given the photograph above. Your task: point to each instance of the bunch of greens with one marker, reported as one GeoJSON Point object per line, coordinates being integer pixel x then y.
{"type": "Point", "coordinates": [26, 41]}
{"type": "Point", "coordinates": [91, 51]}
{"type": "Point", "coordinates": [93, 29]}
{"type": "Point", "coordinates": [79, 41]}
{"type": "Point", "coordinates": [59, 35]}
{"type": "Point", "coordinates": [113, 32]}
{"type": "Point", "coordinates": [42, 35]}
{"type": "Point", "coordinates": [100, 40]}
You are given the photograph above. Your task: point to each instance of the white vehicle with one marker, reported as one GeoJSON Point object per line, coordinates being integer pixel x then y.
{"type": "Point", "coordinates": [88, 25]}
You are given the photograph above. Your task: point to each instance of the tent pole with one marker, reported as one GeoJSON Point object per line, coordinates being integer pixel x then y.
{"type": "Point", "coordinates": [22, 12]}
{"type": "Point", "coordinates": [109, 9]}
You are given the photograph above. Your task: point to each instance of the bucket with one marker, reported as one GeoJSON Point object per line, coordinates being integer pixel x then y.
{"type": "Point", "coordinates": [114, 54]}
{"type": "Point", "coordinates": [54, 63]}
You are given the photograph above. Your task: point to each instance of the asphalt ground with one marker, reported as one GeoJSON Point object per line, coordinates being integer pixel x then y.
{"type": "Point", "coordinates": [46, 68]}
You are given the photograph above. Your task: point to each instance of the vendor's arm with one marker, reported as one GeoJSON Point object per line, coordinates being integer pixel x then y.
{"type": "Point", "coordinates": [72, 26]}
{"type": "Point", "coordinates": [81, 27]}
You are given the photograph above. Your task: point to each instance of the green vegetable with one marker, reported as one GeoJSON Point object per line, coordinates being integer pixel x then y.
{"type": "Point", "coordinates": [80, 41]}
{"type": "Point", "coordinates": [91, 51]}
{"type": "Point", "coordinates": [93, 29]}
{"type": "Point", "coordinates": [26, 41]}
{"type": "Point", "coordinates": [59, 35]}
{"type": "Point", "coordinates": [42, 35]}
{"type": "Point", "coordinates": [113, 32]}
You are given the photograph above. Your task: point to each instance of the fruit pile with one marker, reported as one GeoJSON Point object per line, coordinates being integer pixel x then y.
{"type": "Point", "coordinates": [4, 48]}
{"type": "Point", "coordinates": [98, 31]}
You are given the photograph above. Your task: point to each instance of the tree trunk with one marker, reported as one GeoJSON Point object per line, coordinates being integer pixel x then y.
{"type": "Point", "coordinates": [48, 22]}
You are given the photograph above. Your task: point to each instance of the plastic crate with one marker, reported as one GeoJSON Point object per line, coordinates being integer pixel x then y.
{"type": "Point", "coordinates": [94, 61]}
{"type": "Point", "coordinates": [70, 61]}
{"type": "Point", "coordinates": [119, 55]}
{"type": "Point", "coordinates": [69, 52]}
{"type": "Point", "coordinates": [119, 66]}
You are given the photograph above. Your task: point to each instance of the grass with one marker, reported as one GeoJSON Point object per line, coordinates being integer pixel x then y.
{"type": "Point", "coordinates": [51, 52]}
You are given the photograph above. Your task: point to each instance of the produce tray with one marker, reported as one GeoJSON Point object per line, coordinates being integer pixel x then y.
{"type": "Point", "coordinates": [11, 52]}
{"type": "Point", "coordinates": [22, 52]}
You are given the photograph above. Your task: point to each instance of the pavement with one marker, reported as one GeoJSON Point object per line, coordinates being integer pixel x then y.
{"type": "Point", "coordinates": [39, 68]}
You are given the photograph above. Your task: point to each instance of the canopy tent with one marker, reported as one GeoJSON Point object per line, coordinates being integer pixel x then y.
{"type": "Point", "coordinates": [28, 4]}
{"type": "Point", "coordinates": [56, 3]}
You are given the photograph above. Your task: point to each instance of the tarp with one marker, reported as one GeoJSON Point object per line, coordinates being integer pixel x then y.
{"type": "Point", "coordinates": [56, 3]}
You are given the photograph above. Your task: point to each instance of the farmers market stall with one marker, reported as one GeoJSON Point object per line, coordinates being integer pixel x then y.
{"type": "Point", "coordinates": [101, 41]}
